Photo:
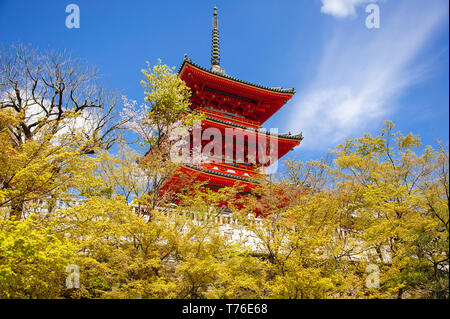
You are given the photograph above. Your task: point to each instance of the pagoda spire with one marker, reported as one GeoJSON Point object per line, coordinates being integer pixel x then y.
{"type": "Point", "coordinates": [215, 46]}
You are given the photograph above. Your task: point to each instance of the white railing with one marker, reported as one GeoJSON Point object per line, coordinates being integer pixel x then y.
{"type": "Point", "coordinates": [229, 226]}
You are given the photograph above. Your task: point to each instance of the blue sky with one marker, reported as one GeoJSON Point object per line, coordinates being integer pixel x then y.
{"type": "Point", "coordinates": [348, 78]}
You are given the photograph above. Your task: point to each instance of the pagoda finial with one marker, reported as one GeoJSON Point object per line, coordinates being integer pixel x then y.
{"type": "Point", "coordinates": [215, 46]}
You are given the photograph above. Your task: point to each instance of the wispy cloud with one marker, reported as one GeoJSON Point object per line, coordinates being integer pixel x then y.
{"type": "Point", "coordinates": [341, 8]}
{"type": "Point", "coordinates": [362, 71]}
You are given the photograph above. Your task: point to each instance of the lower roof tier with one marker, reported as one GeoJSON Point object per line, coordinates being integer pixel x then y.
{"type": "Point", "coordinates": [188, 174]}
{"type": "Point", "coordinates": [265, 147]}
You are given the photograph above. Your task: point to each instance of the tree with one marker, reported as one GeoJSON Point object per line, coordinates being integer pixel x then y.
{"type": "Point", "coordinates": [383, 200]}
{"type": "Point", "coordinates": [377, 203]}
{"type": "Point", "coordinates": [399, 211]}
{"type": "Point", "coordinates": [166, 110]}
{"type": "Point", "coordinates": [297, 239]}
{"type": "Point", "coordinates": [181, 254]}
{"type": "Point", "coordinates": [123, 174]}
{"type": "Point", "coordinates": [33, 259]}
{"type": "Point", "coordinates": [49, 87]}
{"type": "Point", "coordinates": [53, 113]}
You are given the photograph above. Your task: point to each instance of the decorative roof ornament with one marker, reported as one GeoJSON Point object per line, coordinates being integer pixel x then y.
{"type": "Point", "coordinates": [215, 46]}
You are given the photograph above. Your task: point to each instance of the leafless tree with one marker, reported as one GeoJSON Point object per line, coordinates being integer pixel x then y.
{"type": "Point", "coordinates": [49, 86]}
{"type": "Point", "coordinates": [54, 95]}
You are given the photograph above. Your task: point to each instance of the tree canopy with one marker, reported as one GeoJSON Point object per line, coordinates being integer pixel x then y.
{"type": "Point", "coordinates": [370, 220]}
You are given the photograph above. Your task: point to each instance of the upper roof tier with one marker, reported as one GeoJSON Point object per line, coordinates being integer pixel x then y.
{"type": "Point", "coordinates": [219, 91]}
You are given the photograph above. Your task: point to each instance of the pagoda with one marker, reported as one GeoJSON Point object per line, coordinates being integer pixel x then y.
{"type": "Point", "coordinates": [232, 105]}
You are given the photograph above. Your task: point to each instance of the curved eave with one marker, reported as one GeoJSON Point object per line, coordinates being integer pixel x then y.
{"type": "Point", "coordinates": [287, 92]}
{"type": "Point", "coordinates": [297, 137]}
{"type": "Point", "coordinates": [220, 174]}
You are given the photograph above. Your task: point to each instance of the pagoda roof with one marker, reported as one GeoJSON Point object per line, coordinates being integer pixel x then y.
{"type": "Point", "coordinates": [297, 137]}
{"type": "Point", "coordinates": [187, 60]}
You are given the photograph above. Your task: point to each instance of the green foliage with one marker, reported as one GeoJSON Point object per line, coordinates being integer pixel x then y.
{"type": "Point", "coordinates": [32, 260]}
{"type": "Point", "coordinates": [382, 201]}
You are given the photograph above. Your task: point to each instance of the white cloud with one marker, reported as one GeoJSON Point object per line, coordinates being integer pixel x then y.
{"type": "Point", "coordinates": [341, 8]}
{"type": "Point", "coordinates": [360, 74]}
{"type": "Point", "coordinates": [33, 112]}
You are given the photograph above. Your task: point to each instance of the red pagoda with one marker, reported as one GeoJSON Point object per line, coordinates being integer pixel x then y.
{"type": "Point", "coordinates": [232, 105]}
